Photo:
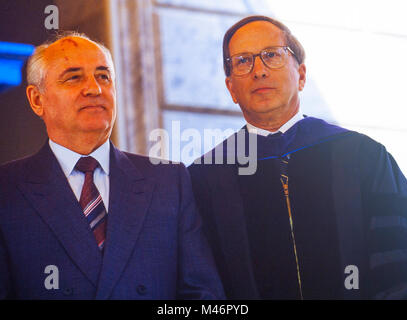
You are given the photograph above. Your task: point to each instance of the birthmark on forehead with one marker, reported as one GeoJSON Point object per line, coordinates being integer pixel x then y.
{"type": "Point", "coordinates": [65, 43]}
{"type": "Point", "coordinates": [69, 40]}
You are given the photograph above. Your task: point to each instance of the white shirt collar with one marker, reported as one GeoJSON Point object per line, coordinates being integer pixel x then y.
{"type": "Point", "coordinates": [297, 117]}
{"type": "Point", "coordinates": [68, 158]}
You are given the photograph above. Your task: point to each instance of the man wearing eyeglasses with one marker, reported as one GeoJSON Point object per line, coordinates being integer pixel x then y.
{"type": "Point", "coordinates": [324, 215]}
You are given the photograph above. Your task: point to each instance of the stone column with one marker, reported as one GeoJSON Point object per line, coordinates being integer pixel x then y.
{"type": "Point", "coordinates": [134, 48]}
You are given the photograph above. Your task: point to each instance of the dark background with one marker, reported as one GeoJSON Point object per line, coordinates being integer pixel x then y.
{"type": "Point", "coordinates": [21, 131]}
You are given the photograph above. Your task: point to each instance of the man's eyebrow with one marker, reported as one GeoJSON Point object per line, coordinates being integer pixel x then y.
{"type": "Point", "coordinates": [69, 70]}
{"type": "Point", "coordinates": [103, 68]}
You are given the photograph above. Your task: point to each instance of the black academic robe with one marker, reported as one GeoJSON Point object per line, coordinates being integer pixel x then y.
{"type": "Point", "coordinates": [348, 204]}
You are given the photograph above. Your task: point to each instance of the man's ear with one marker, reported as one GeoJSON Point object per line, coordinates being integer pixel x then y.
{"type": "Point", "coordinates": [34, 97]}
{"type": "Point", "coordinates": [229, 85]}
{"type": "Point", "coordinates": [302, 70]}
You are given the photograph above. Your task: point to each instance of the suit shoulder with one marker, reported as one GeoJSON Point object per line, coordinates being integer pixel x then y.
{"type": "Point", "coordinates": [361, 143]}
{"type": "Point", "coordinates": [222, 153]}
{"type": "Point", "coordinates": [153, 165]}
{"type": "Point", "coordinates": [16, 167]}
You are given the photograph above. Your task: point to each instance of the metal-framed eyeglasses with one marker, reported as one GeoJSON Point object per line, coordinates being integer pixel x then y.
{"type": "Point", "coordinates": [272, 57]}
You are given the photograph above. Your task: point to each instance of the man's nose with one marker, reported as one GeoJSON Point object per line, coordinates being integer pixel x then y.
{"type": "Point", "coordinates": [92, 87]}
{"type": "Point", "coordinates": [259, 69]}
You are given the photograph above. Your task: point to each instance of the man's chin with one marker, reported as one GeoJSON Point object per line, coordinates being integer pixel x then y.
{"type": "Point", "coordinates": [93, 126]}
{"type": "Point", "coordinates": [264, 108]}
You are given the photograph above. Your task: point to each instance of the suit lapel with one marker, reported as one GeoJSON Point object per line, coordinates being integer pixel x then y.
{"type": "Point", "coordinates": [130, 196]}
{"type": "Point", "coordinates": [48, 191]}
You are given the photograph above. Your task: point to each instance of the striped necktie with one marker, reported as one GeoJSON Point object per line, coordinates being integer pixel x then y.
{"type": "Point", "coordinates": [91, 201]}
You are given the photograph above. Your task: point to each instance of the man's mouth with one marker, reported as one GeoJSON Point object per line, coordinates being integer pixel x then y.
{"type": "Point", "coordinates": [93, 107]}
{"type": "Point", "coordinates": [262, 90]}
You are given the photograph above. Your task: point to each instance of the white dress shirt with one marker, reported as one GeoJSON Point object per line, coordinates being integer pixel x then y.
{"type": "Point", "coordinates": [297, 117]}
{"type": "Point", "coordinates": [68, 159]}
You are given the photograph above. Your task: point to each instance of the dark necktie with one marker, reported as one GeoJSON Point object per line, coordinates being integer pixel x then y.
{"type": "Point", "coordinates": [91, 201]}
